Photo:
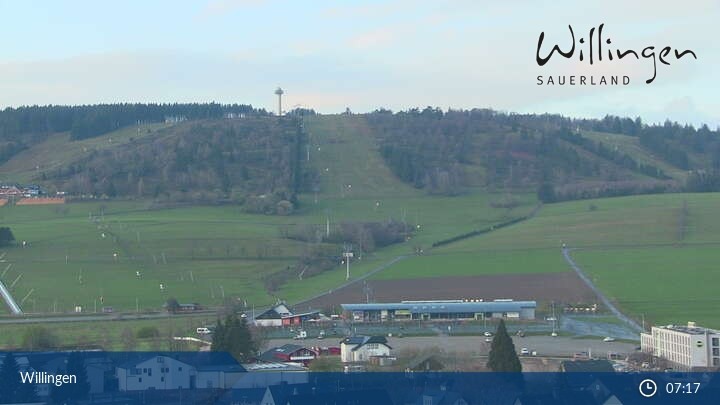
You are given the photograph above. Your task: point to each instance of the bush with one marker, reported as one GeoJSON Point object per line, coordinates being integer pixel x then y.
{"type": "Point", "coordinates": [39, 338]}
{"type": "Point", "coordinates": [6, 236]}
{"type": "Point", "coordinates": [147, 332]}
{"type": "Point", "coordinates": [284, 207]}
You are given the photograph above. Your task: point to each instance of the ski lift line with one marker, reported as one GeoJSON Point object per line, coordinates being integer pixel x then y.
{"type": "Point", "coordinates": [9, 300]}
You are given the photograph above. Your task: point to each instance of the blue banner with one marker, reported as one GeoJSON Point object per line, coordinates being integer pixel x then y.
{"type": "Point", "coordinates": [96, 377]}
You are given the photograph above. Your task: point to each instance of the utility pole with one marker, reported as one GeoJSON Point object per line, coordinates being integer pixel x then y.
{"type": "Point", "coordinates": [347, 254]}
{"type": "Point", "coordinates": [643, 321]}
{"type": "Point", "coordinates": [327, 223]}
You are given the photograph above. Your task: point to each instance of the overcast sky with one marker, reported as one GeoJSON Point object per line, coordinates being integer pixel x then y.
{"type": "Point", "coordinates": [362, 55]}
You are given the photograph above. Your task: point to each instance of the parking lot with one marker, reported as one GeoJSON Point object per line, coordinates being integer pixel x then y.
{"type": "Point", "coordinates": [545, 346]}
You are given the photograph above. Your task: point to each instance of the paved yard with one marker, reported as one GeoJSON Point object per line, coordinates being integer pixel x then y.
{"type": "Point", "coordinates": [544, 345]}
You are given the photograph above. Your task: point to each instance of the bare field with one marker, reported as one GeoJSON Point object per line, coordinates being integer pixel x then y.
{"type": "Point", "coordinates": [541, 287]}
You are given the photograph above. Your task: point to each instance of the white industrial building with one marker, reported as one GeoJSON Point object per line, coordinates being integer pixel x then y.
{"type": "Point", "coordinates": [167, 373]}
{"type": "Point", "coordinates": [689, 347]}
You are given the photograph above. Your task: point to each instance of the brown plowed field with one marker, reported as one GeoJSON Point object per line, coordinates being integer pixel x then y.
{"type": "Point", "coordinates": [563, 287]}
{"type": "Point", "coordinates": [40, 201]}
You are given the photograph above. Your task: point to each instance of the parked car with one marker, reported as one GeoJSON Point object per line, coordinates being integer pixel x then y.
{"type": "Point", "coordinates": [524, 351]}
{"type": "Point", "coordinates": [609, 339]}
{"type": "Point", "coordinates": [488, 334]}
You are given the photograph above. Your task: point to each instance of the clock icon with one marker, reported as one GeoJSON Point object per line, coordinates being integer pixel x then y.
{"type": "Point", "coordinates": [647, 388]}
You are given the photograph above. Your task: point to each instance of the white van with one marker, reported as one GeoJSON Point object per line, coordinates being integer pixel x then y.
{"type": "Point", "coordinates": [203, 331]}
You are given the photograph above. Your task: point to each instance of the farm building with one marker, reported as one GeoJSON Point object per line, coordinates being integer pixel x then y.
{"type": "Point", "coordinates": [289, 353]}
{"type": "Point", "coordinates": [298, 319]}
{"type": "Point", "coordinates": [281, 315]}
{"type": "Point", "coordinates": [273, 316]}
{"type": "Point", "coordinates": [444, 309]}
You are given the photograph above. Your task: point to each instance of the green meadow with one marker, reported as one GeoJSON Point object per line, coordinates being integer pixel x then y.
{"type": "Point", "coordinates": [654, 255]}
{"type": "Point", "coordinates": [89, 254]}
{"type": "Point", "coordinates": [650, 255]}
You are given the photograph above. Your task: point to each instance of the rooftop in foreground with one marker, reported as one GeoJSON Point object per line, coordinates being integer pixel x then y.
{"type": "Point", "coordinates": [691, 328]}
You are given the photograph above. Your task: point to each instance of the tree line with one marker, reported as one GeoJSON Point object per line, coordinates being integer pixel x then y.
{"type": "Point", "coordinates": [325, 251]}
{"type": "Point", "coordinates": [85, 121]}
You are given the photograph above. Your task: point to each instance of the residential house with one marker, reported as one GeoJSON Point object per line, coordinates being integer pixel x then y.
{"type": "Point", "coordinates": [358, 349]}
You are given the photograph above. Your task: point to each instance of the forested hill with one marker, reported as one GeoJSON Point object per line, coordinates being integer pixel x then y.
{"type": "Point", "coordinates": [235, 153]}
{"type": "Point", "coordinates": [255, 161]}
{"type": "Point", "coordinates": [564, 158]}
{"type": "Point", "coordinates": [21, 127]}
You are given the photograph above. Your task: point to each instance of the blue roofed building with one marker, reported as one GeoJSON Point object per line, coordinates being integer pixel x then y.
{"type": "Point", "coordinates": [440, 309]}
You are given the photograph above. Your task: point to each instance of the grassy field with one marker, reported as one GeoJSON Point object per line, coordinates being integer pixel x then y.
{"type": "Point", "coordinates": [89, 253]}
{"type": "Point", "coordinates": [110, 334]}
{"type": "Point", "coordinates": [343, 151]}
{"type": "Point", "coordinates": [647, 253]}
{"type": "Point", "coordinates": [669, 285]}
{"type": "Point", "coordinates": [199, 254]}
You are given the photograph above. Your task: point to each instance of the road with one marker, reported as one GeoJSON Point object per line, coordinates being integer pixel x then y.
{"type": "Point", "coordinates": [99, 317]}
{"type": "Point", "coordinates": [609, 305]}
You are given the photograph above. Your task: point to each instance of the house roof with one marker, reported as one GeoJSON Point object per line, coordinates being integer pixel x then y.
{"type": "Point", "coordinates": [273, 366]}
{"type": "Point", "coordinates": [207, 360]}
{"type": "Point", "coordinates": [588, 366]}
{"type": "Point", "coordinates": [277, 312]}
{"type": "Point", "coordinates": [281, 393]}
{"type": "Point", "coordinates": [352, 397]}
{"type": "Point", "coordinates": [443, 397]}
{"type": "Point", "coordinates": [271, 355]}
{"type": "Point", "coordinates": [360, 341]}
{"type": "Point", "coordinates": [309, 313]}
{"type": "Point", "coordinates": [244, 395]}
{"type": "Point", "coordinates": [431, 358]}
{"type": "Point", "coordinates": [225, 368]}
